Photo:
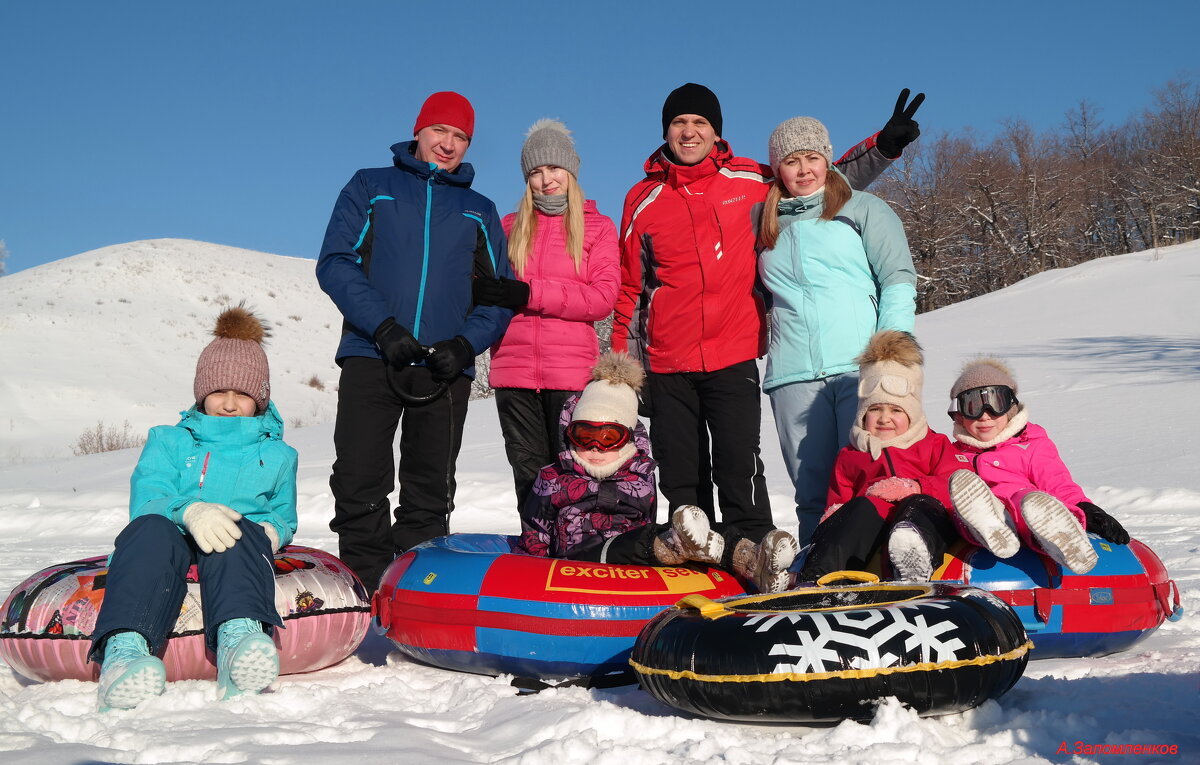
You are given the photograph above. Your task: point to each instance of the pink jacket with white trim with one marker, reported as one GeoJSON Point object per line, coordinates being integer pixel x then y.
{"type": "Point", "coordinates": [1020, 460]}
{"type": "Point", "coordinates": [551, 343]}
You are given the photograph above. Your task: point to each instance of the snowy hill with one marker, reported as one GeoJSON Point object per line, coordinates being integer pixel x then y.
{"type": "Point", "coordinates": [112, 335]}
{"type": "Point", "coordinates": [1107, 355]}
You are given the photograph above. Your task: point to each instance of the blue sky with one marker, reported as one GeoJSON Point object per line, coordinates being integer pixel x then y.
{"type": "Point", "coordinates": [239, 122]}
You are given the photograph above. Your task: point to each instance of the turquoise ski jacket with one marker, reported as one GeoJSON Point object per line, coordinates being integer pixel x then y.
{"type": "Point", "coordinates": [832, 287]}
{"type": "Point", "coordinates": [241, 462]}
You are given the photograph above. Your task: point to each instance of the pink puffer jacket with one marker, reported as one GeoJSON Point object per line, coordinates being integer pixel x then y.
{"type": "Point", "coordinates": [551, 343]}
{"type": "Point", "coordinates": [1019, 460]}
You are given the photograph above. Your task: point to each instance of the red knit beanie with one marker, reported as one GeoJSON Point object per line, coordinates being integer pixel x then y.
{"type": "Point", "coordinates": [446, 108]}
{"type": "Point", "coordinates": [235, 360]}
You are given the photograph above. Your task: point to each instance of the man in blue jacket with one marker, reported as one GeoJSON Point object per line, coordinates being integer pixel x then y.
{"type": "Point", "coordinates": [401, 249]}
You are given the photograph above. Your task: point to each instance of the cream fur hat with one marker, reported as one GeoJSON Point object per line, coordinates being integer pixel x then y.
{"type": "Point", "coordinates": [612, 394]}
{"type": "Point", "coordinates": [611, 397]}
{"type": "Point", "coordinates": [890, 372]}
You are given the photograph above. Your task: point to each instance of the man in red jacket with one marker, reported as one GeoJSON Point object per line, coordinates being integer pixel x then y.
{"type": "Point", "coordinates": [690, 310]}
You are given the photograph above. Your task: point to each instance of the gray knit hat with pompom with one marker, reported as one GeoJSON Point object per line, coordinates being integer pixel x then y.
{"type": "Point", "coordinates": [548, 142]}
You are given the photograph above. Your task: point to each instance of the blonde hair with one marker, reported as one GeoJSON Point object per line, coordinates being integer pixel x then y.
{"type": "Point", "coordinates": [520, 239]}
{"type": "Point", "coordinates": [837, 194]}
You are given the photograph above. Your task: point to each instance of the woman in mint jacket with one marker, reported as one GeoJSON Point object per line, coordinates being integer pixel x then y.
{"type": "Point", "coordinates": [837, 265]}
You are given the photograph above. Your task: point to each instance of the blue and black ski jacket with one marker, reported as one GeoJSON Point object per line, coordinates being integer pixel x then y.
{"type": "Point", "coordinates": [404, 242]}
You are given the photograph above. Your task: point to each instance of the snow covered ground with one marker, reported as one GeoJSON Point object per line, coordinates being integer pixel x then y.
{"type": "Point", "coordinates": [1107, 355]}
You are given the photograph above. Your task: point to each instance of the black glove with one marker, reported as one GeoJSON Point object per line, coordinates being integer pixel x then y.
{"type": "Point", "coordinates": [448, 358]}
{"type": "Point", "coordinates": [901, 129]}
{"type": "Point", "coordinates": [506, 293]}
{"type": "Point", "coordinates": [397, 345]}
{"type": "Point", "coordinates": [1100, 522]}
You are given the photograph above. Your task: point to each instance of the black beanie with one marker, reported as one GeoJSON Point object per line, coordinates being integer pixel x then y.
{"type": "Point", "coordinates": [692, 99]}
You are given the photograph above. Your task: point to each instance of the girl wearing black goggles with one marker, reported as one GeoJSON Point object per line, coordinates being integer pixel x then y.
{"type": "Point", "coordinates": [997, 400]}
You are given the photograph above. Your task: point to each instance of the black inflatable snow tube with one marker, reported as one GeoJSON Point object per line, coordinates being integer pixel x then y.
{"type": "Point", "coordinates": [832, 652]}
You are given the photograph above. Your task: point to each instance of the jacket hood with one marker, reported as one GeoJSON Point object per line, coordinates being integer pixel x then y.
{"type": "Point", "coordinates": [402, 157]}
{"type": "Point", "coordinates": [660, 168]}
{"type": "Point", "coordinates": [233, 431]}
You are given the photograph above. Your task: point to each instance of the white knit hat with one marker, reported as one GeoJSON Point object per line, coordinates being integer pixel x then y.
{"type": "Point", "coordinates": [799, 134]}
{"type": "Point", "coordinates": [612, 394]}
{"type": "Point", "coordinates": [611, 397]}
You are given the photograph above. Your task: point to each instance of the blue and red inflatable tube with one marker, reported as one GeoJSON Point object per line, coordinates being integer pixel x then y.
{"type": "Point", "coordinates": [467, 602]}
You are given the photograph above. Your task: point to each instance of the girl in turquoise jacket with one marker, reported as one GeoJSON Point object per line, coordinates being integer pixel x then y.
{"type": "Point", "coordinates": [216, 491]}
{"type": "Point", "coordinates": [837, 265]}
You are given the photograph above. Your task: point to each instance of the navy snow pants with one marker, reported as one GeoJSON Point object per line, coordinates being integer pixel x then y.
{"type": "Point", "coordinates": [147, 582]}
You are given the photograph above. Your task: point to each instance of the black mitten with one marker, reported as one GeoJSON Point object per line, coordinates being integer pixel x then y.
{"type": "Point", "coordinates": [901, 129]}
{"type": "Point", "coordinates": [448, 358]}
{"type": "Point", "coordinates": [396, 344]}
{"type": "Point", "coordinates": [506, 293]}
{"type": "Point", "coordinates": [1100, 522]}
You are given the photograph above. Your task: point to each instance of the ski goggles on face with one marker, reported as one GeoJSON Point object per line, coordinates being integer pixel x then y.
{"type": "Point", "coordinates": [601, 436]}
{"type": "Point", "coordinates": [996, 399]}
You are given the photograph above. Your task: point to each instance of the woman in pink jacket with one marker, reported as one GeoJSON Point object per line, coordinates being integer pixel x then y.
{"type": "Point", "coordinates": [564, 254]}
{"type": "Point", "coordinates": [1017, 489]}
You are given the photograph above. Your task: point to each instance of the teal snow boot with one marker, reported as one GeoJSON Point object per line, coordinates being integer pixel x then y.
{"type": "Point", "coordinates": [129, 674]}
{"type": "Point", "coordinates": [247, 661]}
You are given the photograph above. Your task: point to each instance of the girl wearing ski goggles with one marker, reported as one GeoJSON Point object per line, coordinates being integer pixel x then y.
{"type": "Point", "coordinates": [598, 436]}
{"type": "Point", "coordinates": [997, 400]}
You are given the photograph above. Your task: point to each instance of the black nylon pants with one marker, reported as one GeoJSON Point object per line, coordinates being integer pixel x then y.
{"type": "Point", "coordinates": [721, 409]}
{"type": "Point", "coordinates": [369, 412]}
{"type": "Point", "coordinates": [532, 438]}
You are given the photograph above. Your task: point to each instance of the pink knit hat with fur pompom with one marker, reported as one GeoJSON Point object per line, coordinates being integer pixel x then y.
{"type": "Point", "coordinates": [235, 360]}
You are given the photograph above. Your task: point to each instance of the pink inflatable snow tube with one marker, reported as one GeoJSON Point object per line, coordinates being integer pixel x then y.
{"type": "Point", "coordinates": [47, 621]}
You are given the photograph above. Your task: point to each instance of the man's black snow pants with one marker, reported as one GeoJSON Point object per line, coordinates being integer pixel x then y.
{"type": "Point", "coordinates": [723, 408]}
{"type": "Point", "coordinates": [369, 410]}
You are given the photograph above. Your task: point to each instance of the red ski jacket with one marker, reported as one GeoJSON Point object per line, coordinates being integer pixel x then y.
{"type": "Point", "coordinates": [688, 299]}
{"type": "Point", "coordinates": [929, 462]}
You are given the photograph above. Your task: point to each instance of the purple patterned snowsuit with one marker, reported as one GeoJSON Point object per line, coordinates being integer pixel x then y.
{"type": "Point", "coordinates": [569, 511]}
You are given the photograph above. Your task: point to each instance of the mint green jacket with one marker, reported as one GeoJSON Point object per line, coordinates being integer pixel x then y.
{"type": "Point", "coordinates": [832, 288]}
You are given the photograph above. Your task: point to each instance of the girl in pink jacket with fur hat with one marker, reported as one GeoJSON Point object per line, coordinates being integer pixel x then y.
{"type": "Point", "coordinates": [1017, 490]}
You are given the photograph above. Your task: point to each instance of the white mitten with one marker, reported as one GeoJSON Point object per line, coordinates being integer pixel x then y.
{"type": "Point", "coordinates": [272, 535]}
{"type": "Point", "coordinates": [213, 526]}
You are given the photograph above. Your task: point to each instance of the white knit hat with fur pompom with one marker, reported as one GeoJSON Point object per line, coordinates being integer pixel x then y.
{"type": "Point", "coordinates": [612, 394]}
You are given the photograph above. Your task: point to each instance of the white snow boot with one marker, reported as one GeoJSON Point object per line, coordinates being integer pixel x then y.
{"type": "Point", "coordinates": [696, 538]}
{"type": "Point", "coordinates": [983, 514]}
{"type": "Point", "coordinates": [909, 553]}
{"type": "Point", "coordinates": [1058, 532]}
{"type": "Point", "coordinates": [766, 564]}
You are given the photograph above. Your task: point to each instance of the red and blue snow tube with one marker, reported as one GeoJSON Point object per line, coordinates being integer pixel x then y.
{"type": "Point", "coordinates": [466, 602]}
{"type": "Point", "coordinates": [1120, 602]}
